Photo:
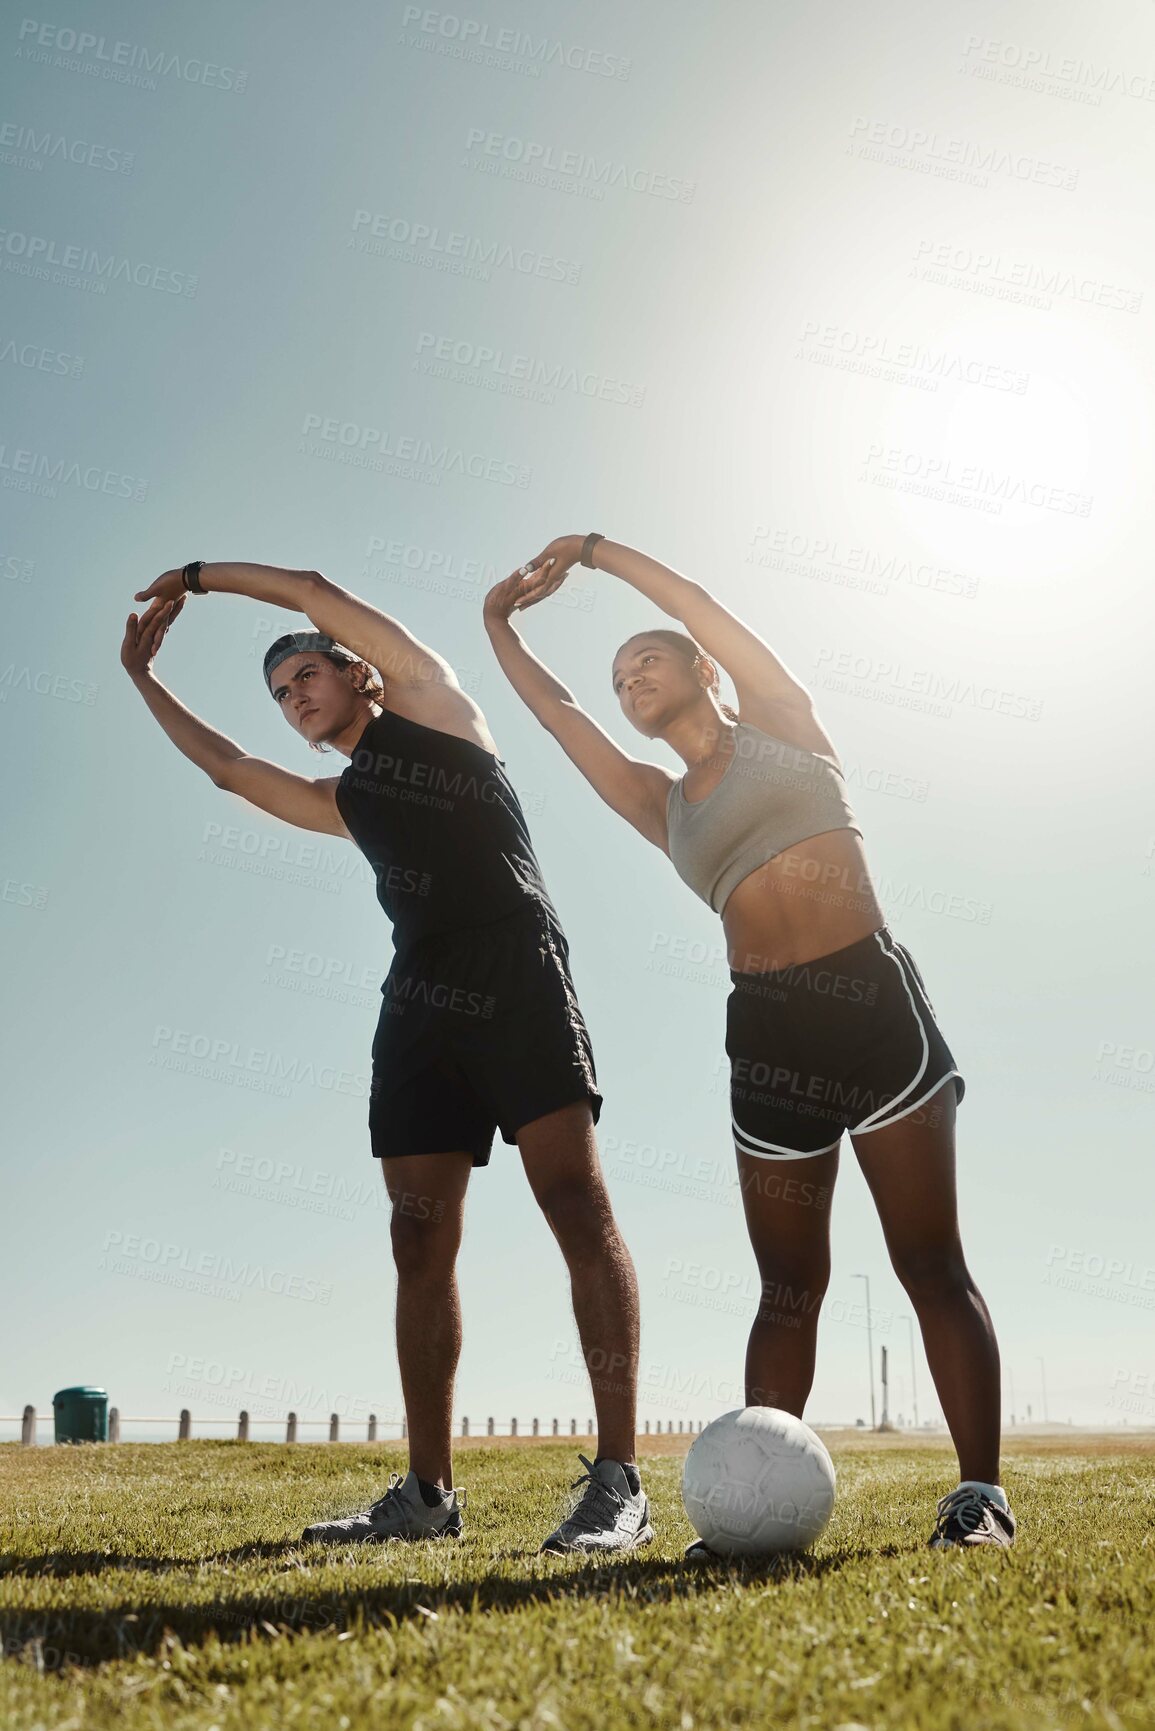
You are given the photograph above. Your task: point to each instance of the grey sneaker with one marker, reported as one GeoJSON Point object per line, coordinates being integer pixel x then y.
{"type": "Point", "coordinates": [402, 1513]}
{"type": "Point", "coordinates": [607, 1517]}
{"type": "Point", "coordinates": [966, 1517]}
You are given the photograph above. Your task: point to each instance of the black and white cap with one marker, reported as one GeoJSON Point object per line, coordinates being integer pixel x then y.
{"type": "Point", "coordinates": [299, 643]}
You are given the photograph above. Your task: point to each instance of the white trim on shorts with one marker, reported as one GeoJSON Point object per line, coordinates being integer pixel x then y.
{"type": "Point", "coordinates": [774, 1150]}
{"type": "Point", "coordinates": [882, 1122]}
{"type": "Point", "coordinates": [933, 1089]}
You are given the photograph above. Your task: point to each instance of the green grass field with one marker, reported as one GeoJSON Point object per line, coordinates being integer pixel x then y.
{"type": "Point", "coordinates": [163, 1585]}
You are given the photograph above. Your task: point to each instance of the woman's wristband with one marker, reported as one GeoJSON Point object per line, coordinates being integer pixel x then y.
{"type": "Point", "coordinates": [587, 549]}
{"type": "Point", "coordinates": [191, 574]}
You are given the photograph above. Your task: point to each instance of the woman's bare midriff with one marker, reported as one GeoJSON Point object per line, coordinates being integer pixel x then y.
{"type": "Point", "coordinates": [810, 899]}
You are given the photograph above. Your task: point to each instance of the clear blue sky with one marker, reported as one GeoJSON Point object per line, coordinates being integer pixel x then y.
{"type": "Point", "coordinates": [824, 306]}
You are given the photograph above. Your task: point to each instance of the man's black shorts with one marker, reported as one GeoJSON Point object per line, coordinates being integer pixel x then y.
{"type": "Point", "coordinates": [480, 1030]}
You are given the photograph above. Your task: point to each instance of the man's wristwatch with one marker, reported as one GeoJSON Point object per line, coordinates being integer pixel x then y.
{"type": "Point", "coordinates": [191, 575]}
{"type": "Point", "coordinates": [588, 547]}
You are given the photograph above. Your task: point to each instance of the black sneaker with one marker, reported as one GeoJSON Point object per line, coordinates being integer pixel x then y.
{"type": "Point", "coordinates": [966, 1517]}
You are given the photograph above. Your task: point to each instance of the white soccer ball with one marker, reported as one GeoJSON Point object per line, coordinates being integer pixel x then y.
{"type": "Point", "coordinates": [757, 1481]}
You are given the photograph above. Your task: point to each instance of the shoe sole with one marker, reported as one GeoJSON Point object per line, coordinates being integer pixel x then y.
{"type": "Point", "coordinates": [969, 1544]}
{"type": "Point", "coordinates": [308, 1538]}
{"type": "Point", "coordinates": [642, 1537]}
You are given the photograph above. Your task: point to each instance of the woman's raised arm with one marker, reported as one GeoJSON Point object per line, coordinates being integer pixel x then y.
{"type": "Point", "coordinates": [636, 791]}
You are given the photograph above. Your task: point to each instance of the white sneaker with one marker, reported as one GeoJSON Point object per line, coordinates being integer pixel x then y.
{"type": "Point", "coordinates": [607, 1517]}
{"type": "Point", "coordinates": [402, 1513]}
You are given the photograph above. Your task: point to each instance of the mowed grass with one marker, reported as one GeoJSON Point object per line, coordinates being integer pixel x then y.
{"type": "Point", "coordinates": [165, 1585]}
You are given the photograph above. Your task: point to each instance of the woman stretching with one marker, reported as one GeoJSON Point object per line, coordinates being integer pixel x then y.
{"type": "Point", "coordinates": [828, 1025]}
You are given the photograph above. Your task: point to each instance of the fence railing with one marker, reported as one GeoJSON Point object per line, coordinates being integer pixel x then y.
{"type": "Point", "coordinates": [293, 1425]}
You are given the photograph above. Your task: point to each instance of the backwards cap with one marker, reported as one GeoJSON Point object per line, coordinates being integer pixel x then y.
{"type": "Point", "coordinates": [299, 643]}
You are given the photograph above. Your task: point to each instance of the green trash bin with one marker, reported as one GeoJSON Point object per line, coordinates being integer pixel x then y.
{"type": "Point", "coordinates": [81, 1415]}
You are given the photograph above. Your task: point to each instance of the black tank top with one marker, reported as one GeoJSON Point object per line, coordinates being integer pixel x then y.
{"type": "Point", "coordinates": [440, 823]}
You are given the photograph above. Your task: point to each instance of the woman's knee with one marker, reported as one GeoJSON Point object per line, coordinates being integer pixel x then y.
{"type": "Point", "coordinates": [931, 1273]}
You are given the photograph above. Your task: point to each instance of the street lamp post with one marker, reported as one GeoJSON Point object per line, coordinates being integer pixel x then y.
{"type": "Point", "coordinates": [913, 1386]}
{"type": "Point", "coordinates": [869, 1345]}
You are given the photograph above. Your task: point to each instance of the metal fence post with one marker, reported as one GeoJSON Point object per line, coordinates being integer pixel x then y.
{"type": "Point", "coordinates": [28, 1427]}
{"type": "Point", "coordinates": [291, 1428]}
{"type": "Point", "coordinates": [372, 1427]}
{"type": "Point", "coordinates": [465, 1427]}
{"type": "Point", "coordinates": [114, 1424]}
{"type": "Point", "coordinates": [184, 1429]}
{"type": "Point", "coordinates": [243, 1428]}
{"type": "Point", "coordinates": [334, 1427]}
{"type": "Point", "coordinates": [489, 1427]}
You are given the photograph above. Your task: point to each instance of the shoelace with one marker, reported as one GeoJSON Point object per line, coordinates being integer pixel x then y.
{"type": "Point", "coordinates": [393, 1490]}
{"type": "Point", "coordinates": [964, 1507]}
{"type": "Point", "coordinates": [600, 1500]}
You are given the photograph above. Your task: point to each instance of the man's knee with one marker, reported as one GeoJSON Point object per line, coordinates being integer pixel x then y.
{"type": "Point", "coordinates": [579, 1213]}
{"type": "Point", "coordinates": [423, 1239]}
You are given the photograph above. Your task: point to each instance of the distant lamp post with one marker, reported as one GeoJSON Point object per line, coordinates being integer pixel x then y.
{"type": "Point", "coordinates": [869, 1344]}
{"type": "Point", "coordinates": [913, 1384]}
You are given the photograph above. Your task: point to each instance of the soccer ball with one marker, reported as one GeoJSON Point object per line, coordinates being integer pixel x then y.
{"type": "Point", "coordinates": [757, 1481]}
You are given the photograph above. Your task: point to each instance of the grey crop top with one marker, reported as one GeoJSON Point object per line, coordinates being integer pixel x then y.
{"type": "Point", "coordinates": [771, 796]}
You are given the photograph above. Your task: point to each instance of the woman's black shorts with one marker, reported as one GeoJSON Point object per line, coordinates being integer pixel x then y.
{"type": "Point", "coordinates": [846, 1042]}
{"type": "Point", "coordinates": [479, 1030]}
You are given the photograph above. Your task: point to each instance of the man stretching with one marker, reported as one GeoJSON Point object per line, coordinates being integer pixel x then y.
{"type": "Point", "coordinates": [479, 1028]}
